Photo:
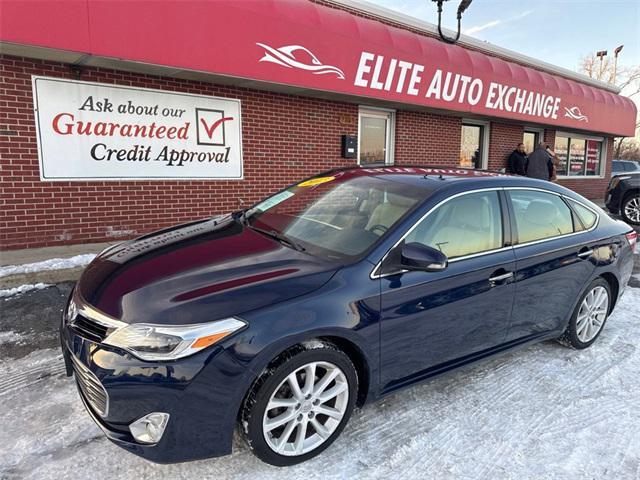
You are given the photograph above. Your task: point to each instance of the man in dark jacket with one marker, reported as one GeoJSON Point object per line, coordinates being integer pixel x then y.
{"type": "Point", "coordinates": [539, 164]}
{"type": "Point", "coordinates": [517, 161]}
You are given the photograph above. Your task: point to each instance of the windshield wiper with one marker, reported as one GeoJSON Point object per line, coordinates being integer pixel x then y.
{"type": "Point", "coordinates": [280, 237]}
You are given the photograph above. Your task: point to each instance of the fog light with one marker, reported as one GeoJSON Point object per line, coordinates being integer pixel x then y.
{"type": "Point", "coordinates": [149, 429]}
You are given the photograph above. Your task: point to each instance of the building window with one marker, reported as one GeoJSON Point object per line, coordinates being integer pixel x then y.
{"type": "Point", "coordinates": [473, 144]}
{"type": "Point", "coordinates": [579, 155]}
{"type": "Point", "coordinates": [375, 136]}
{"type": "Point", "coordinates": [531, 138]}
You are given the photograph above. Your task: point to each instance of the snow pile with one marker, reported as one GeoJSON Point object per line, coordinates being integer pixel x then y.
{"type": "Point", "coordinates": [51, 264]}
{"type": "Point", "coordinates": [9, 337]}
{"type": "Point", "coordinates": [9, 292]}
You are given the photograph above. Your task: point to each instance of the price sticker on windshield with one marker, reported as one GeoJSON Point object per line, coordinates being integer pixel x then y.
{"type": "Point", "coordinates": [316, 181]}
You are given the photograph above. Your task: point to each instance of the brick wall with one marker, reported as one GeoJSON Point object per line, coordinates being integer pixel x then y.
{"type": "Point", "coordinates": [427, 139]}
{"type": "Point", "coordinates": [503, 139]}
{"type": "Point", "coordinates": [285, 138]}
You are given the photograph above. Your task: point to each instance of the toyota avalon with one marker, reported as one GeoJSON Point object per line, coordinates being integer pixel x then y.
{"type": "Point", "coordinates": [330, 294]}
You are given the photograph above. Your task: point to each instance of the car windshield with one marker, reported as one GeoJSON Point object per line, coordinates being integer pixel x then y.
{"type": "Point", "coordinates": [339, 216]}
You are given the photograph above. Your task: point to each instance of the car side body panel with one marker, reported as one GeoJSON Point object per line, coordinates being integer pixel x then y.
{"type": "Point", "coordinates": [549, 277]}
{"type": "Point", "coordinates": [428, 318]}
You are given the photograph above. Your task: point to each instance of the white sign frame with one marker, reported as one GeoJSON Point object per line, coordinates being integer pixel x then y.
{"type": "Point", "coordinates": [37, 102]}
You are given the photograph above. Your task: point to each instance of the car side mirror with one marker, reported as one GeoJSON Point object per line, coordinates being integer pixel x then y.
{"type": "Point", "coordinates": [416, 256]}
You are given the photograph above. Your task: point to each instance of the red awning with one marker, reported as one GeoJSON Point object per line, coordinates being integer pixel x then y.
{"type": "Point", "coordinates": [303, 44]}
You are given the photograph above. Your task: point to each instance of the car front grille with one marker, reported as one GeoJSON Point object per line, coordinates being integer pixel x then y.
{"type": "Point", "coordinates": [91, 387]}
{"type": "Point", "coordinates": [89, 328]}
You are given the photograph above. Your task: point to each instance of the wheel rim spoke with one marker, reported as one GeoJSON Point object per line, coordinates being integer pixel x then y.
{"type": "Point", "coordinates": [319, 428]}
{"type": "Point", "coordinates": [325, 381]}
{"type": "Point", "coordinates": [328, 411]}
{"type": "Point", "coordinates": [581, 326]}
{"type": "Point", "coordinates": [284, 438]}
{"type": "Point", "coordinates": [279, 420]}
{"type": "Point", "coordinates": [295, 387]}
{"type": "Point", "coordinates": [334, 391]}
{"type": "Point", "coordinates": [300, 436]}
{"type": "Point", "coordinates": [310, 371]}
{"type": "Point", "coordinates": [281, 403]}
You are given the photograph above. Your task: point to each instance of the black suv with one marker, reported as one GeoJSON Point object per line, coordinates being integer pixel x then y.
{"type": "Point", "coordinates": [623, 196]}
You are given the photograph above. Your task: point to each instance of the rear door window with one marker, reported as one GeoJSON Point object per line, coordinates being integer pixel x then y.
{"type": "Point", "coordinates": [540, 215]}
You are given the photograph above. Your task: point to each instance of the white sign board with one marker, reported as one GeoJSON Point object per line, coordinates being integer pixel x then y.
{"type": "Point", "coordinates": [111, 132]}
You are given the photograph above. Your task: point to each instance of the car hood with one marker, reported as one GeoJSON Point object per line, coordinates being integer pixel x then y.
{"type": "Point", "coordinates": [622, 174]}
{"type": "Point", "coordinates": [198, 272]}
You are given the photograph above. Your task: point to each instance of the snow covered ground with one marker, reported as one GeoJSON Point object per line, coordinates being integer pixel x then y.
{"type": "Point", "coordinates": [50, 264]}
{"type": "Point", "coordinates": [10, 292]}
{"type": "Point", "coordinates": [542, 412]}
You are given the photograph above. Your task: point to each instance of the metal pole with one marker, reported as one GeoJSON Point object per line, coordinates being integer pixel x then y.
{"type": "Point", "coordinates": [601, 54]}
{"type": "Point", "coordinates": [615, 63]}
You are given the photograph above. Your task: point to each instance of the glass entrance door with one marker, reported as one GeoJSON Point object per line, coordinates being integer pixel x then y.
{"type": "Point", "coordinates": [375, 138]}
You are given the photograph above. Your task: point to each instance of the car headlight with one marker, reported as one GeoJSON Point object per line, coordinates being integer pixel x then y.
{"type": "Point", "coordinates": [168, 342]}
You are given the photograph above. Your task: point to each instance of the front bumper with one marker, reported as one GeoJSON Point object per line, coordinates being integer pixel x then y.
{"type": "Point", "coordinates": [202, 394]}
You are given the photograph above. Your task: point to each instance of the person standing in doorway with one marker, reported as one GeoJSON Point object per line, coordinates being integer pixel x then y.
{"type": "Point", "coordinates": [517, 161]}
{"type": "Point", "coordinates": [539, 164]}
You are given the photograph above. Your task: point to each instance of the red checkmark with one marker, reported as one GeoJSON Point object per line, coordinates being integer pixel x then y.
{"type": "Point", "coordinates": [216, 124]}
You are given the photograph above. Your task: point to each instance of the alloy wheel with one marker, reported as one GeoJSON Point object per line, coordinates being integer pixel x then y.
{"type": "Point", "coordinates": [632, 209]}
{"type": "Point", "coordinates": [592, 314]}
{"type": "Point", "coordinates": [305, 409]}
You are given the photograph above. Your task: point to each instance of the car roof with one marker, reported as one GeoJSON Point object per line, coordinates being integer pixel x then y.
{"type": "Point", "coordinates": [452, 180]}
{"type": "Point", "coordinates": [433, 178]}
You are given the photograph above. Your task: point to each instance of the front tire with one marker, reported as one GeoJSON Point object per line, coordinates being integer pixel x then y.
{"type": "Point", "coordinates": [631, 208]}
{"type": "Point", "coordinates": [589, 316]}
{"type": "Point", "coordinates": [300, 405]}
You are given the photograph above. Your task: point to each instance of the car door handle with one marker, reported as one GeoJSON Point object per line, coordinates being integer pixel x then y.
{"type": "Point", "coordinates": [500, 278]}
{"type": "Point", "coordinates": [585, 253]}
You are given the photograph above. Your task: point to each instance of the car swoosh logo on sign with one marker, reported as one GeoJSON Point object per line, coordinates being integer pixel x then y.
{"type": "Point", "coordinates": [576, 114]}
{"type": "Point", "coordinates": [285, 57]}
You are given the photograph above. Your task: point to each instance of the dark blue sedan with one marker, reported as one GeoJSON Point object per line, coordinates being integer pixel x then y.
{"type": "Point", "coordinates": [332, 293]}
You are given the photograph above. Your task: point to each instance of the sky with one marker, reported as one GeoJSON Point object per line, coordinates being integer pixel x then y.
{"type": "Point", "coordinates": [556, 31]}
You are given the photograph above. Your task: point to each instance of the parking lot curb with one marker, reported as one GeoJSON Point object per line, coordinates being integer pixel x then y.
{"type": "Point", "coordinates": [51, 277]}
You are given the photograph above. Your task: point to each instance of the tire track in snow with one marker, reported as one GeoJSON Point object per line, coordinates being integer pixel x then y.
{"type": "Point", "coordinates": [14, 381]}
{"type": "Point", "coordinates": [485, 395]}
{"type": "Point", "coordinates": [577, 384]}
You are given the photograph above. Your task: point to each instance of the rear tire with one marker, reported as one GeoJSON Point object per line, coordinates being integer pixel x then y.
{"type": "Point", "coordinates": [631, 208]}
{"type": "Point", "coordinates": [589, 316]}
{"type": "Point", "coordinates": [287, 419]}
